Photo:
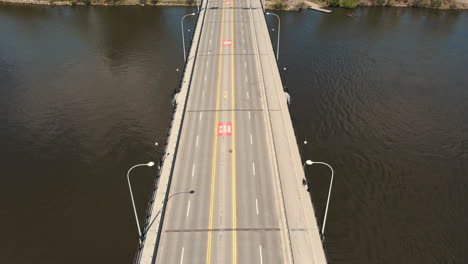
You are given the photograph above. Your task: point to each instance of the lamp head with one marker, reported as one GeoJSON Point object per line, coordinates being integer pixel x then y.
{"type": "Point", "coordinates": [267, 13]}
{"type": "Point", "coordinates": [309, 162]}
{"type": "Point", "coordinates": [193, 14]}
{"type": "Point", "coordinates": [150, 164]}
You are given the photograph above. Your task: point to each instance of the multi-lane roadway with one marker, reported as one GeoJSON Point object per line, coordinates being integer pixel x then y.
{"type": "Point", "coordinates": [230, 189]}
{"type": "Point", "coordinates": [232, 216]}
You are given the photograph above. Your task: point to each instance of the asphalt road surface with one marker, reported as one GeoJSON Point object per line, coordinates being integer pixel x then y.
{"type": "Point", "coordinates": [233, 214]}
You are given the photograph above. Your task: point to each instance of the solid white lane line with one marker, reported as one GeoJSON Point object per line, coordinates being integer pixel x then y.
{"type": "Point", "coordinates": [188, 208]}
{"type": "Point", "coordinates": [253, 168]}
{"type": "Point", "coordinates": [249, 114]}
{"type": "Point", "coordinates": [256, 205]}
{"type": "Point", "coordinates": [193, 169]}
{"type": "Point", "coordinates": [251, 141]}
{"type": "Point", "coordinates": [200, 115]}
{"type": "Point", "coordinates": [248, 95]}
{"type": "Point", "coordinates": [182, 256]}
{"type": "Point", "coordinates": [260, 250]}
{"type": "Point", "coordinates": [196, 142]}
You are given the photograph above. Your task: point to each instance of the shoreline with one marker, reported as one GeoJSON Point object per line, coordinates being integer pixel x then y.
{"type": "Point", "coordinates": [96, 3]}
{"type": "Point", "coordinates": [270, 5]}
{"type": "Point", "coordinates": [319, 5]}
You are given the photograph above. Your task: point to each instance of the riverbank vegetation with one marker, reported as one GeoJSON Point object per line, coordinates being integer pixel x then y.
{"type": "Point", "coordinates": [343, 3]}
{"type": "Point", "coordinates": [300, 4]}
{"type": "Point", "coordinates": [290, 5]}
{"type": "Point", "coordinates": [446, 4]}
{"type": "Point", "coordinates": [104, 2]}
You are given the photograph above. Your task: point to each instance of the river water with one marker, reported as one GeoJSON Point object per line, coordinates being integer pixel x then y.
{"type": "Point", "coordinates": [382, 96]}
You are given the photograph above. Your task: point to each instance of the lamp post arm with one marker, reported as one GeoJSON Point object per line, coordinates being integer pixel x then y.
{"type": "Point", "coordinates": [329, 193]}
{"type": "Point", "coordinates": [182, 30]}
{"type": "Point", "coordinates": [133, 200]}
{"type": "Point", "coordinates": [279, 32]}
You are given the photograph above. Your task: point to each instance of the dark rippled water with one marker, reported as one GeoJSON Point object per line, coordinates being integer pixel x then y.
{"type": "Point", "coordinates": [382, 96]}
{"type": "Point", "coordinates": [84, 95]}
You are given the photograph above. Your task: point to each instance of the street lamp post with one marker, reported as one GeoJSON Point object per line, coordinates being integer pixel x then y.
{"type": "Point", "coordinates": [149, 164]}
{"type": "Point", "coordinates": [182, 26]}
{"type": "Point", "coordinates": [279, 31]}
{"type": "Point", "coordinates": [309, 163]}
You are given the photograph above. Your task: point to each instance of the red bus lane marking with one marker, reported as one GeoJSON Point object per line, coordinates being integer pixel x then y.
{"type": "Point", "coordinates": [224, 129]}
{"type": "Point", "coordinates": [227, 42]}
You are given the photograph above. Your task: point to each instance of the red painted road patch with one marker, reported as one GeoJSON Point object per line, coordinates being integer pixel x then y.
{"type": "Point", "coordinates": [224, 129]}
{"type": "Point", "coordinates": [227, 42]}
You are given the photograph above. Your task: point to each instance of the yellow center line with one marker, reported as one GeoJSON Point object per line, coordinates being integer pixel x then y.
{"type": "Point", "coordinates": [233, 128]}
{"type": "Point", "coordinates": [215, 145]}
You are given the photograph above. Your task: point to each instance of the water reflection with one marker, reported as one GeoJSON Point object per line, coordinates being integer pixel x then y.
{"type": "Point", "coordinates": [383, 102]}
{"type": "Point", "coordinates": [85, 93]}
{"type": "Point", "coordinates": [79, 105]}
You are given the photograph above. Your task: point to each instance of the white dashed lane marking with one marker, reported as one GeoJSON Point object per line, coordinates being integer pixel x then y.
{"type": "Point", "coordinates": [188, 208]}
{"type": "Point", "coordinates": [182, 256]}
{"type": "Point", "coordinates": [256, 205]}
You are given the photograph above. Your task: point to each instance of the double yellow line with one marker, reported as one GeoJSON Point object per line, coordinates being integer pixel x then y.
{"type": "Point", "coordinates": [233, 117]}
{"type": "Point", "coordinates": [215, 145]}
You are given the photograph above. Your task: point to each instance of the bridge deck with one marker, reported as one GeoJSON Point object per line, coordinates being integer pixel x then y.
{"type": "Point", "coordinates": [238, 153]}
